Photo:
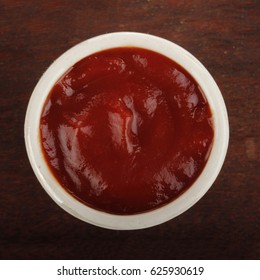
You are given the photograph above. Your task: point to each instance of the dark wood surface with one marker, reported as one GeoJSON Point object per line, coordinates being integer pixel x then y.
{"type": "Point", "coordinates": [224, 36]}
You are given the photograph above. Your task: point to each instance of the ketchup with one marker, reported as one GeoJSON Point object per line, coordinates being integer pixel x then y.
{"type": "Point", "coordinates": [126, 130]}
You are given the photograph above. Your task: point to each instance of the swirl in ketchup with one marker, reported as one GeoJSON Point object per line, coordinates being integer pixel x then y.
{"type": "Point", "coordinates": [126, 130]}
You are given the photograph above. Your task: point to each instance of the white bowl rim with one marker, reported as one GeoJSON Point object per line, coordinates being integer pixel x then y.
{"type": "Point", "coordinates": [159, 215]}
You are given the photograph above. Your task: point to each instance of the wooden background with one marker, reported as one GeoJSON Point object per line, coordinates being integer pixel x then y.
{"type": "Point", "coordinates": [224, 36]}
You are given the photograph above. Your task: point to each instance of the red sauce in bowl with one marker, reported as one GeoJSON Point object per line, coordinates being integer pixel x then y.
{"type": "Point", "coordinates": [126, 130]}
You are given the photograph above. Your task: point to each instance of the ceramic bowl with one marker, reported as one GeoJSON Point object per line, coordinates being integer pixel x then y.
{"type": "Point", "coordinates": [153, 217]}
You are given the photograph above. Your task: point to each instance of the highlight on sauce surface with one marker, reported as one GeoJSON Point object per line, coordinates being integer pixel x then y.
{"type": "Point", "coordinates": [126, 130]}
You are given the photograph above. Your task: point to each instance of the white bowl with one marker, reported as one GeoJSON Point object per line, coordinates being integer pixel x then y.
{"type": "Point", "coordinates": [153, 217]}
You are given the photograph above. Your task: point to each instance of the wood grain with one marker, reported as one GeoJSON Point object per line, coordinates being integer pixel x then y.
{"type": "Point", "coordinates": [224, 36]}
